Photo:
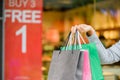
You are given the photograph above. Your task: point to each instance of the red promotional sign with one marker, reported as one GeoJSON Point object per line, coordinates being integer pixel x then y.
{"type": "Point", "coordinates": [22, 36]}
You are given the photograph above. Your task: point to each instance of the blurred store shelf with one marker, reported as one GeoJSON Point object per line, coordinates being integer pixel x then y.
{"type": "Point", "coordinates": [110, 77]}
{"type": "Point", "coordinates": [61, 5]}
{"type": "Point", "coordinates": [111, 72]}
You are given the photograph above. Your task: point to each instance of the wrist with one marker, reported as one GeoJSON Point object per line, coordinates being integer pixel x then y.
{"type": "Point", "coordinates": [91, 32]}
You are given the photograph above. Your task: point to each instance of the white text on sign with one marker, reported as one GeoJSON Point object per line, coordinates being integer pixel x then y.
{"type": "Point", "coordinates": [22, 3]}
{"type": "Point", "coordinates": [23, 16]}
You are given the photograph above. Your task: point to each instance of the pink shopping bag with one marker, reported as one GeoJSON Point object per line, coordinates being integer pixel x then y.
{"type": "Point", "coordinates": [86, 67]}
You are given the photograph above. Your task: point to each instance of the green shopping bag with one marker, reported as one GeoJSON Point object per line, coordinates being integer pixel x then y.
{"type": "Point", "coordinates": [94, 59]}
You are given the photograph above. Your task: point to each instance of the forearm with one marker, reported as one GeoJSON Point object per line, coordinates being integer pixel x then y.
{"type": "Point", "coordinates": [107, 56]}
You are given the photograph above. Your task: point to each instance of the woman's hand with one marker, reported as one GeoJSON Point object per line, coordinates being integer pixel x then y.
{"type": "Point", "coordinates": [83, 28]}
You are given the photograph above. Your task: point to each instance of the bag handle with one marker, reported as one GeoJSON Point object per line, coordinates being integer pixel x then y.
{"type": "Point", "coordinates": [73, 39]}
{"type": "Point", "coordinates": [66, 42]}
{"type": "Point", "coordinates": [80, 36]}
{"type": "Point", "coordinates": [77, 37]}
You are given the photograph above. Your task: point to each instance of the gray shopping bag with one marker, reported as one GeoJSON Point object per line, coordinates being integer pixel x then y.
{"type": "Point", "coordinates": [66, 65]}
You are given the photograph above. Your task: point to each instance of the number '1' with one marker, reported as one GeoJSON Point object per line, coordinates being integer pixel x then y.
{"type": "Point", "coordinates": [23, 32]}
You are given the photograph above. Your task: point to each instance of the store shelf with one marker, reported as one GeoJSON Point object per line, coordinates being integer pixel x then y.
{"type": "Point", "coordinates": [109, 29]}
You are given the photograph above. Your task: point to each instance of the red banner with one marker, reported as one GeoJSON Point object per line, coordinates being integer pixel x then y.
{"type": "Point", "coordinates": [23, 50]}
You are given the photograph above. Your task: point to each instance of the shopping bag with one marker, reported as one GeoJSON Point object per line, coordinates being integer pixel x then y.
{"type": "Point", "coordinates": [95, 65]}
{"type": "Point", "coordinates": [66, 65]}
{"type": "Point", "coordinates": [96, 68]}
{"type": "Point", "coordinates": [86, 67]}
